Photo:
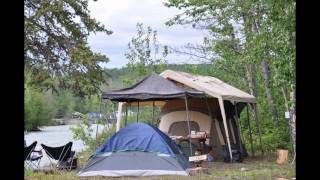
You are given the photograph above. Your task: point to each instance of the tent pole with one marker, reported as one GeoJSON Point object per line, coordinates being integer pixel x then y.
{"type": "Point", "coordinates": [250, 131]}
{"type": "Point", "coordinates": [223, 113]}
{"type": "Point", "coordinates": [114, 113]}
{"type": "Point", "coordinates": [188, 120]}
{"type": "Point", "coordinates": [138, 112]}
{"type": "Point", "coordinates": [120, 104]}
{"type": "Point", "coordinates": [153, 113]}
{"type": "Point", "coordinates": [125, 122]}
{"type": "Point", "coordinates": [238, 127]}
{"type": "Point", "coordinates": [254, 106]}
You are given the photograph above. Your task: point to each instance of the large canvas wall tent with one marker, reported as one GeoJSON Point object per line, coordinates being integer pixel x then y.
{"type": "Point", "coordinates": [204, 116]}
{"type": "Point", "coordinates": [191, 103]}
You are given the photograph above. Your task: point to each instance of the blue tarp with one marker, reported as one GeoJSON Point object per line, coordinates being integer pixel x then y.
{"type": "Point", "coordinates": [140, 137]}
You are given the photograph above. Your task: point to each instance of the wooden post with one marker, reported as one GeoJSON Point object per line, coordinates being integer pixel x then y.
{"type": "Point", "coordinates": [250, 131]}
{"type": "Point", "coordinates": [254, 107]}
{"type": "Point", "coordinates": [188, 120]}
{"type": "Point", "coordinates": [119, 116]}
{"type": "Point", "coordinates": [223, 113]}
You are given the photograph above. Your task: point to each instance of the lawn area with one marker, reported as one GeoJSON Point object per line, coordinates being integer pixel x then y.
{"type": "Point", "coordinates": [255, 168]}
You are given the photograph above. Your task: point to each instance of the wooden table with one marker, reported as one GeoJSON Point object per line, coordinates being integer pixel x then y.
{"type": "Point", "coordinates": [201, 139]}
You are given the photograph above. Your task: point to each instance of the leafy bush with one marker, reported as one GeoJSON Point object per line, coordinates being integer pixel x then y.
{"type": "Point", "coordinates": [38, 110]}
{"type": "Point", "coordinates": [84, 132]}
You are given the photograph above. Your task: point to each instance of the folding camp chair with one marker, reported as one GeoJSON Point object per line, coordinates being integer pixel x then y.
{"type": "Point", "coordinates": [62, 154]}
{"type": "Point", "coordinates": [32, 157]}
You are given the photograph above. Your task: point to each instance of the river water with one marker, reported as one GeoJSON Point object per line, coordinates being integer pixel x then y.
{"type": "Point", "coordinates": [56, 136]}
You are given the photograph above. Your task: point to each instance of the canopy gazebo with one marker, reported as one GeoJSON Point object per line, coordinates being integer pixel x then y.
{"type": "Point", "coordinates": [174, 85]}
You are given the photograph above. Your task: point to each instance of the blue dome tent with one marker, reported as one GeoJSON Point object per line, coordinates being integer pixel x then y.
{"type": "Point", "coordinates": [137, 150]}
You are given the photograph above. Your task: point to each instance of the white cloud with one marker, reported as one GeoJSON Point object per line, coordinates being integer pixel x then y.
{"type": "Point", "coordinates": [121, 17]}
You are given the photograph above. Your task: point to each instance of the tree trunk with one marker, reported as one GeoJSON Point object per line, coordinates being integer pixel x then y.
{"type": "Point", "coordinates": [292, 121]}
{"type": "Point", "coordinates": [292, 118]}
{"type": "Point", "coordinates": [251, 75]}
{"type": "Point", "coordinates": [266, 77]}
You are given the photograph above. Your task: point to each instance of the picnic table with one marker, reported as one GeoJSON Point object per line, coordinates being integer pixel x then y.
{"type": "Point", "coordinates": [201, 138]}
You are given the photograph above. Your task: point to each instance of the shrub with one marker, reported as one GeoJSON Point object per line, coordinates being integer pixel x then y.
{"type": "Point", "coordinates": [84, 132]}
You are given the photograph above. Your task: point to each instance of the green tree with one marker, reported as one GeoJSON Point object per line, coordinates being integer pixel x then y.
{"type": "Point", "coordinates": [145, 54]}
{"type": "Point", "coordinates": [38, 109]}
{"type": "Point", "coordinates": [56, 50]}
{"type": "Point", "coordinates": [253, 46]}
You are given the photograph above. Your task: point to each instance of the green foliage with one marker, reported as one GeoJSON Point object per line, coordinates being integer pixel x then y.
{"type": "Point", "coordinates": [84, 132]}
{"type": "Point", "coordinates": [146, 115]}
{"type": "Point", "coordinates": [243, 33]}
{"type": "Point", "coordinates": [144, 52]}
{"type": "Point", "coordinates": [38, 111]}
{"type": "Point", "coordinates": [56, 49]}
{"type": "Point", "coordinates": [41, 107]}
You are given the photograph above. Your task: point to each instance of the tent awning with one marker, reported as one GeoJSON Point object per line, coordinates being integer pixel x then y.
{"type": "Point", "coordinates": [210, 85]}
{"type": "Point", "coordinates": [152, 88]}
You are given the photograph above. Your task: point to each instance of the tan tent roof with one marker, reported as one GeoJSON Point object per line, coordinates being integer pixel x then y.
{"type": "Point", "coordinates": [210, 85]}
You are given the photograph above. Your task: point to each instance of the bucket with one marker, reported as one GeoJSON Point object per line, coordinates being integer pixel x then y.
{"type": "Point", "coordinates": [282, 155]}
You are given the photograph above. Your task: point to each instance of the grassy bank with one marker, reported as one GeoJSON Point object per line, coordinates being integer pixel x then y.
{"type": "Point", "coordinates": [255, 168]}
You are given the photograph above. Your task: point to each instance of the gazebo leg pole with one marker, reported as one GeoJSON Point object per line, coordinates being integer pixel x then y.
{"type": "Point", "coordinates": [153, 113]}
{"type": "Point", "coordinates": [254, 106]}
{"type": "Point", "coordinates": [223, 113]}
{"type": "Point", "coordinates": [250, 131]}
{"type": "Point", "coordinates": [238, 127]}
{"type": "Point", "coordinates": [188, 120]}
{"type": "Point", "coordinates": [138, 112]}
{"type": "Point", "coordinates": [119, 116]}
{"type": "Point", "coordinates": [126, 120]}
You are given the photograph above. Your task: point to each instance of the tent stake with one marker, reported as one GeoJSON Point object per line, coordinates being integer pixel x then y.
{"type": "Point", "coordinates": [188, 120]}
{"type": "Point", "coordinates": [250, 131]}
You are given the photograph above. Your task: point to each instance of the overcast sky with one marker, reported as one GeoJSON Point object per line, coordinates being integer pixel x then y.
{"type": "Point", "coordinates": [121, 16]}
